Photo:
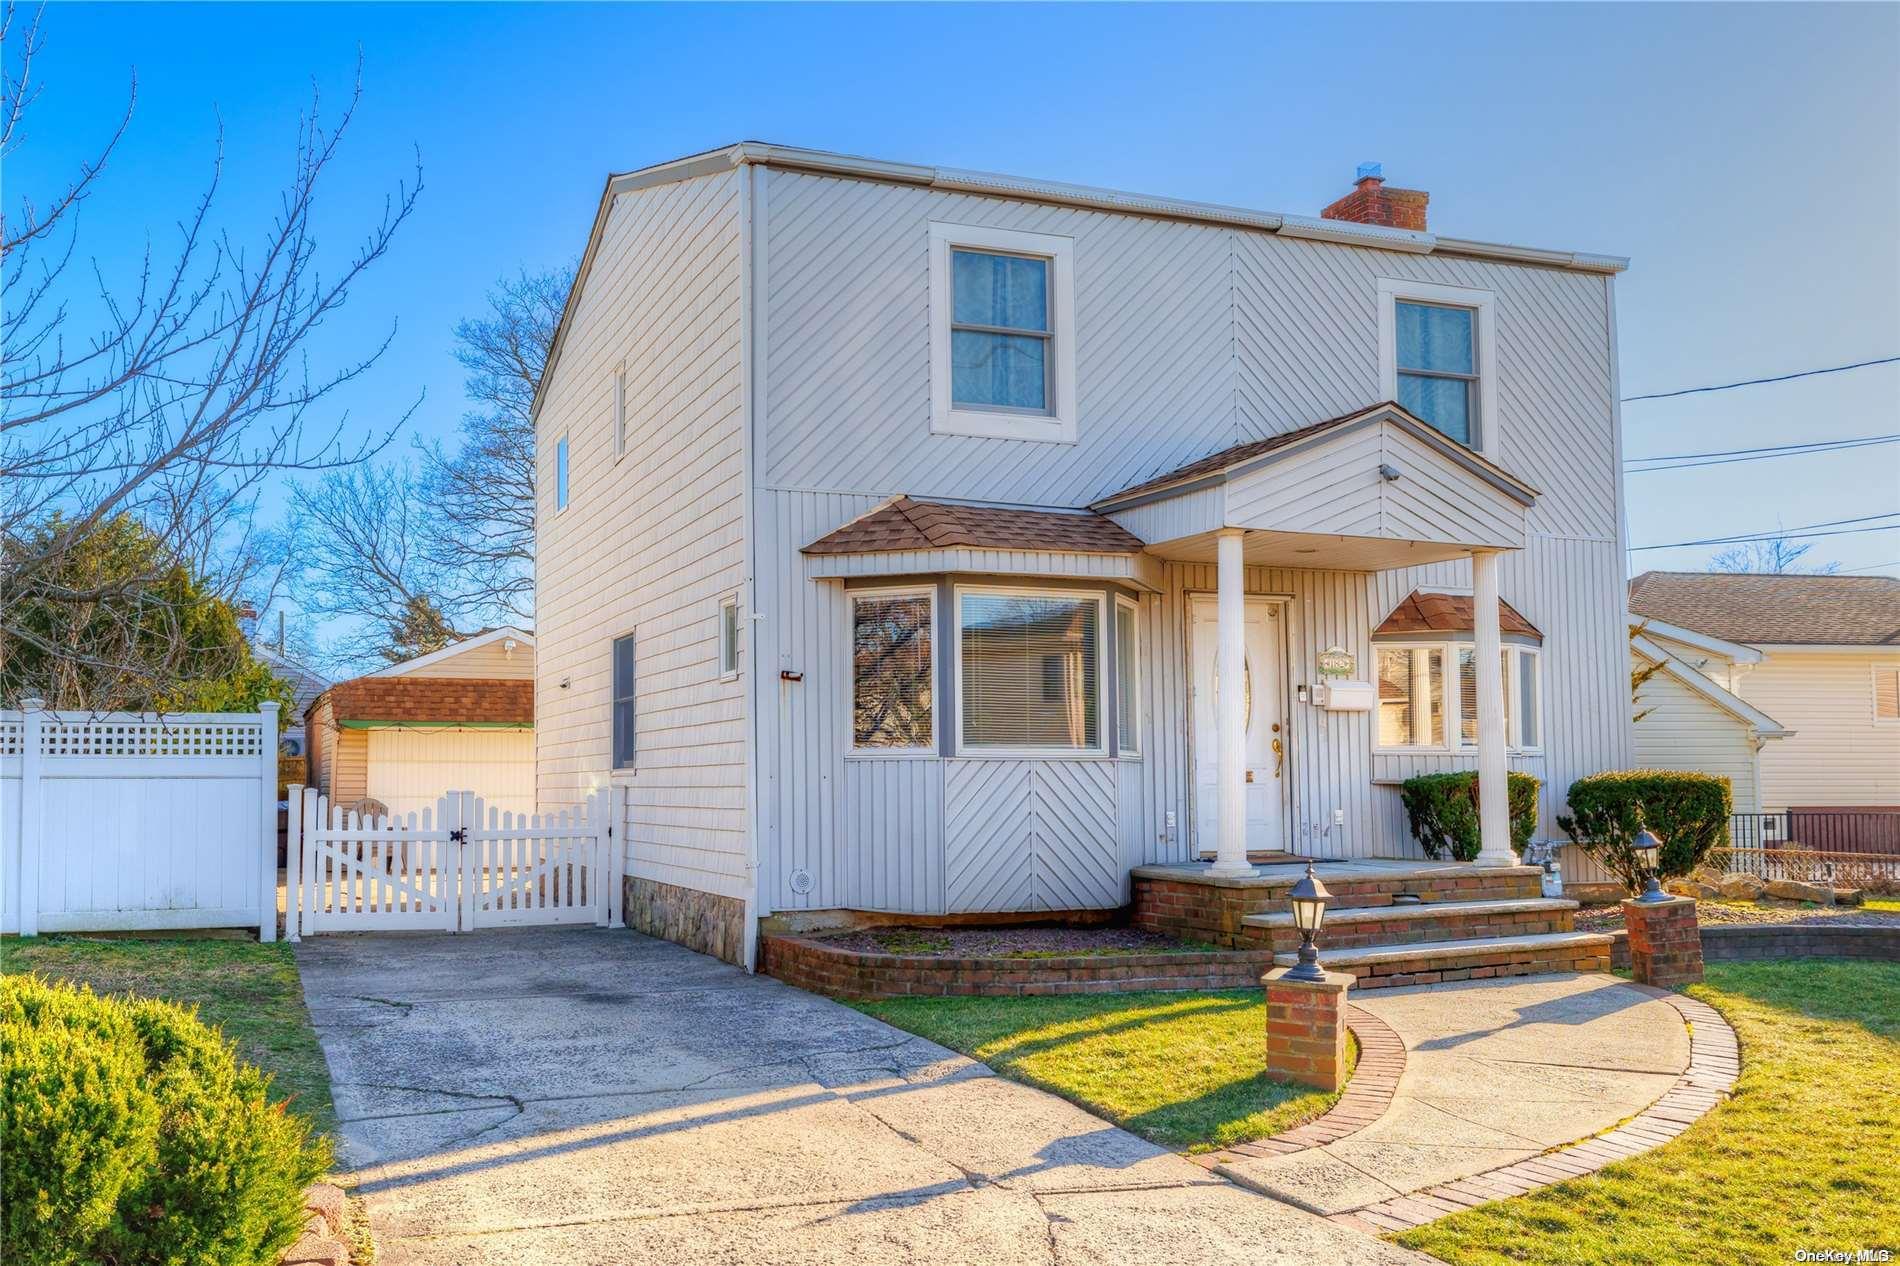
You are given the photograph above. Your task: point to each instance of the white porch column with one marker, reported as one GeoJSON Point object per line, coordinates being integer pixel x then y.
{"type": "Point", "coordinates": [1231, 663]}
{"type": "Point", "coordinates": [1494, 811]}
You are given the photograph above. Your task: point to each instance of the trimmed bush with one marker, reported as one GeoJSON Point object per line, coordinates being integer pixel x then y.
{"type": "Point", "coordinates": [1688, 812]}
{"type": "Point", "coordinates": [133, 1134]}
{"type": "Point", "coordinates": [1442, 810]}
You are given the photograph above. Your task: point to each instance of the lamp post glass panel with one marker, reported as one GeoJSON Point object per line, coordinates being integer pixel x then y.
{"type": "Point", "coordinates": [1309, 899]}
{"type": "Point", "coordinates": [1648, 850]}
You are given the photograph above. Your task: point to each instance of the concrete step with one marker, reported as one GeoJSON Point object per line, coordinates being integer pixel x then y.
{"type": "Point", "coordinates": [1429, 962]}
{"type": "Point", "coordinates": [1426, 921]}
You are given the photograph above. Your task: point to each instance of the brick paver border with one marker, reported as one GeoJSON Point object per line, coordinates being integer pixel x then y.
{"type": "Point", "coordinates": [1714, 1064]}
{"type": "Point", "coordinates": [1367, 1095]}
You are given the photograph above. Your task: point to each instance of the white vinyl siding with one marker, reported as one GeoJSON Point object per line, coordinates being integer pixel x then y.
{"type": "Point", "coordinates": [1840, 754]}
{"type": "Point", "coordinates": [1684, 730]}
{"type": "Point", "coordinates": [492, 661]}
{"type": "Point", "coordinates": [409, 770]}
{"type": "Point", "coordinates": [662, 540]}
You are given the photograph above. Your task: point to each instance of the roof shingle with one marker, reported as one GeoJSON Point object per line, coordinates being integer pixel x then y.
{"type": "Point", "coordinates": [477, 699]}
{"type": "Point", "coordinates": [1423, 612]}
{"type": "Point", "coordinates": [1773, 609]}
{"type": "Point", "coordinates": [905, 524]}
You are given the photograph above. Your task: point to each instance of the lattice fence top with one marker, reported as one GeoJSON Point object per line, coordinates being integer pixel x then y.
{"type": "Point", "coordinates": [12, 737]}
{"type": "Point", "coordinates": [108, 735]}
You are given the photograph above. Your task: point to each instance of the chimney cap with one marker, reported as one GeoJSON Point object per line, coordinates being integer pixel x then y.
{"type": "Point", "coordinates": [1370, 171]}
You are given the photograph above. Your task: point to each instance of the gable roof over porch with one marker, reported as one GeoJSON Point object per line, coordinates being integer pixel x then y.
{"type": "Point", "coordinates": [1367, 490]}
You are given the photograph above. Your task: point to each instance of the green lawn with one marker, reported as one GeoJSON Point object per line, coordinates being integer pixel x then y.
{"type": "Point", "coordinates": [247, 989]}
{"type": "Point", "coordinates": [1806, 1154]}
{"type": "Point", "coordinates": [1186, 1070]}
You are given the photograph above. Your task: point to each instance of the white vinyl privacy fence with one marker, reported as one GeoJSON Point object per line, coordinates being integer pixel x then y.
{"type": "Point", "coordinates": [456, 866]}
{"type": "Point", "coordinates": [137, 821]}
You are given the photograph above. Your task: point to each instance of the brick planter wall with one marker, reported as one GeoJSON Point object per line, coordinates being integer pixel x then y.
{"type": "Point", "coordinates": [843, 973]}
{"type": "Point", "coordinates": [1748, 942]}
{"type": "Point", "coordinates": [1665, 950]}
{"type": "Point", "coordinates": [1405, 928]}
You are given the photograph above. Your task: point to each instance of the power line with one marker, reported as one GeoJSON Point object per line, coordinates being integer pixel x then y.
{"type": "Point", "coordinates": [1772, 448]}
{"type": "Point", "coordinates": [1756, 382]}
{"type": "Point", "coordinates": [1638, 465]}
{"type": "Point", "coordinates": [1791, 534]}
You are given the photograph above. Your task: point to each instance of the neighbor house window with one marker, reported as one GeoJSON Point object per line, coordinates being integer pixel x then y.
{"type": "Point", "coordinates": [893, 682]}
{"type": "Point", "coordinates": [560, 473]}
{"type": "Point", "coordinates": [1417, 695]}
{"type": "Point", "coordinates": [1435, 353]}
{"type": "Point", "coordinates": [729, 638]}
{"type": "Point", "coordinates": [1886, 693]}
{"type": "Point", "coordinates": [1127, 677]}
{"type": "Point", "coordinates": [1029, 671]}
{"type": "Point", "coordinates": [623, 679]}
{"type": "Point", "coordinates": [1002, 334]}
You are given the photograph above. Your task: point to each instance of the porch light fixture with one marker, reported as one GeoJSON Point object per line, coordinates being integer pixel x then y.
{"type": "Point", "coordinates": [1309, 899]}
{"type": "Point", "coordinates": [1648, 850]}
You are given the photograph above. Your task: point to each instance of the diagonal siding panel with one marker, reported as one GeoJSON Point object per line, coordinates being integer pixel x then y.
{"type": "Point", "coordinates": [1076, 852]}
{"type": "Point", "coordinates": [987, 836]}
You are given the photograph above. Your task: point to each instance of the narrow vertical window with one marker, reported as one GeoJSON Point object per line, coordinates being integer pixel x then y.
{"type": "Point", "coordinates": [1128, 677]}
{"type": "Point", "coordinates": [623, 715]}
{"type": "Point", "coordinates": [893, 672]}
{"type": "Point", "coordinates": [620, 410]}
{"type": "Point", "coordinates": [560, 474]}
{"type": "Point", "coordinates": [1886, 693]}
{"type": "Point", "coordinates": [729, 638]}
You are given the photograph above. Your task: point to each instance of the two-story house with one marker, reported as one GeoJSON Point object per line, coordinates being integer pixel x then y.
{"type": "Point", "coordinates": [929, 542]}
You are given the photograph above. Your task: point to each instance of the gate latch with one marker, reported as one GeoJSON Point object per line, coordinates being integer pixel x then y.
{"type": "Point", "coordinates": [459, 835]}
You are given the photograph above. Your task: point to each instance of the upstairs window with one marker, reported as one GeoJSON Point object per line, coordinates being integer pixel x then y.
{"type": "Point", "coordinates": [1436, 359]}
{"type": "Point", "coordinates": [1438, 366]}
{"type": "Point", "coordinates": [560, 473]}
{"type": "Point", "coordinates": [1002, 336]}
{"type": "Point", "coordinates": [1029, 671]}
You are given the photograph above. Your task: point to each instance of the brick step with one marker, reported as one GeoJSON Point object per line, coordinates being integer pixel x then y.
{"type": "Point", "coordinates": [1428, 921]}
{"type": "Point", "coordinates": [1428, 962]}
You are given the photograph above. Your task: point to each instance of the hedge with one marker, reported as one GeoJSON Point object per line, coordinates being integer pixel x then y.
{"type": "Point", "coordinates": [1688, 812]}
{"type": "Point", "coordinates": [134, 1135]}
{"type": "Point", "coordinates": [1442, 810]}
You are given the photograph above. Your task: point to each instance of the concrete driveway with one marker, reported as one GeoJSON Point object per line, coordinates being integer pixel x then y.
{"type": "Point", "coordinates": [584, 1096]}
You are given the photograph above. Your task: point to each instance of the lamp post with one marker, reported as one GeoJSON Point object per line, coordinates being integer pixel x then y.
{"type": "Point", "coordinates": [1648, 850]}
{"type": "Point", "coordinates": [1309, 899]}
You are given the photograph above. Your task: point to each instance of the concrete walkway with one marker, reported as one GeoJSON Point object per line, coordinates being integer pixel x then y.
{"type": "Point", "coordinates": [1496, 1071]}
{"type": "Point", "coordinates": [579, 1096]}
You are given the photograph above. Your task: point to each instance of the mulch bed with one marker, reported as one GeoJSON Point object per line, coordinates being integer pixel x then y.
{"type": "Point", "coordinates": [1007, 942]}
{"type": "Point", "coordinates": [1709, 913]}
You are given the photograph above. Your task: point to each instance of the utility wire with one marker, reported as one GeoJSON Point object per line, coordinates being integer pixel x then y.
{"type": "Point", "coordinates": [1756, 382]}
{"type": "Point", "coordinates": [1639, 465]}
{"type": "Point", "coordinates": [1792, 534]}
{"type": "Point", "coordinates": [1772, 448]}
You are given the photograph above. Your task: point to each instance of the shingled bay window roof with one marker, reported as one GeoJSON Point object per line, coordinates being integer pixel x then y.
{"type": "Point", "coordinates": [904, 524]}
{"type": "Point", "coordinates": [370, 701]}
{"type": "Point", "coordinates": [1423, 612]}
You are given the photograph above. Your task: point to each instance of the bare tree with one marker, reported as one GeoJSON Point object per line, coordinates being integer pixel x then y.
{"type": "Point", "coordinates": [189, 389]}
{"type": "Point", "coordinates": [1773, 556]}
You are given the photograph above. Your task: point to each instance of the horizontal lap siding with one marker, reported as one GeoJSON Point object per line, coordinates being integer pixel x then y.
{"type": "Point", "coordinates": [650, 543]}
{"type": "Point", "coordinates": [1839, 754]}
{"type": "Point", "coordinates": [492, 661]}
{"type": "Point", "coordinates": [1684, 730]}
{"type": "Point", "coordinates": [1190, 338]}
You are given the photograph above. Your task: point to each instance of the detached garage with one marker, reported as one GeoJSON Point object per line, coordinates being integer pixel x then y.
{"type": "Point", "coordinates": [461, 718]}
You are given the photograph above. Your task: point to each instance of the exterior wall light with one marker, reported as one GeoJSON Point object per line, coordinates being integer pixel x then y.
{"type": "Point", "coordinates": [1648, 850]}
{"type": "Point", "coordinates": [1309, 899]}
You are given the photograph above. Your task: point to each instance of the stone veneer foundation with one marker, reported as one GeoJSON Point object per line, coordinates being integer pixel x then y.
{"type": "Point", "coordinates": [702, 921]}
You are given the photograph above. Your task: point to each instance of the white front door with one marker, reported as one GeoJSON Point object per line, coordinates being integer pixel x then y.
{"type": "Point", "coordinates": [1261, 700]}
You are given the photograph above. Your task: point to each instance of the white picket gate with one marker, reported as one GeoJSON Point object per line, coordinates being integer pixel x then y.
{"type": "Point", "coordinates": [461, 866]}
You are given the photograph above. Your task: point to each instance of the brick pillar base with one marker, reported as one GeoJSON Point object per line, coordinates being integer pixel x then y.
{"type": "Point", "coordinates": [1665, 943]}
{"type": "Point", "coordinates": [1306, 1028]}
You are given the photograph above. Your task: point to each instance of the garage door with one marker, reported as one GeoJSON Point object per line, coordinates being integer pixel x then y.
{"type": "Point", "coordinates": [410, 769]}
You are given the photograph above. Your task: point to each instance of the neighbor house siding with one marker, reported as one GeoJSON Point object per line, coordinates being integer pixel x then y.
{"type": "Point", "coordinates": [1190, 338]}
{"type": "Point", "coordinates": [490, 661]}
{"type": "Point", "coordinates": [1839, 754]}
{"type": "Point", "coordinates": [339, 759]}
{"type": "Point", "coordinates": [650, 543]}
{"type": "Point", "coordinates": [1681, 729]}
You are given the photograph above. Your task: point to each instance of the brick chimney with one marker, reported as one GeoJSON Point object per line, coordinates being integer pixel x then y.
{"type": "Point", "coordinates": [1370, 202]}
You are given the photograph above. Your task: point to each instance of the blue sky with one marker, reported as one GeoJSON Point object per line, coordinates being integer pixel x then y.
{"type": "Point", "coordinates": [1744, 156]}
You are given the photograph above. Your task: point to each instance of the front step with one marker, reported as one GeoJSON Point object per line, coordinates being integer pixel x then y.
{"type": "Point", "coordinates": [1429, 962]}
{"type": "Point", "coordinates": [1410, 924]}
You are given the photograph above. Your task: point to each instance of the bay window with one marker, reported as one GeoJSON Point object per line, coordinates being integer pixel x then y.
{"type": "Point", "coordinates": [1127, 677]}
{"type": "Point", "coordinates": [1421, 686]}
{"type": "Point", "coordinates": [1029, 671]}
{"type": "Point", "coordinates": [893, 671]}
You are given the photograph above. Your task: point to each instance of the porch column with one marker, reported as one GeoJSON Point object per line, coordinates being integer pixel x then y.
{"type": "Point", "coordinates": [1231, 663]}
{"type": "Point", "coordinates": [1494, 812]}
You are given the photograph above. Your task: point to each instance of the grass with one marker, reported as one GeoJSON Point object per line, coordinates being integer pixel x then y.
{"type": "Point", "coordinates": [246, 989]}
{"type": "Point", "coordinates": [1805, 1155]}
{"type": "Point", "coordinates": [1187, 1071]}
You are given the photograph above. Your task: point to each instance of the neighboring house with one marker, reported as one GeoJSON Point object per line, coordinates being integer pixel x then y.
{"type": "Point", "coordinates": [1820, 654]}
{"type": "Point", "coordinates": [894, 523]}
{"type": "Point", "coordinates": [461, 718]}
{"type": "Point", "coordinates": [305, 686]}
{"type": "Point", "coordinates": [1689, 720]}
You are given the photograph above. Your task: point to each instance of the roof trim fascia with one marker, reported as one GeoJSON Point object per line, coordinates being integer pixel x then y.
{"type": "Point", "coordinates": [1765, 726]}
{"type": "Point", "coordinates": [1733, 651]}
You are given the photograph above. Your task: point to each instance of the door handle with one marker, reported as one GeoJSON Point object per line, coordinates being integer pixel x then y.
{"type": "Point", "coordinates": [1279, 757]}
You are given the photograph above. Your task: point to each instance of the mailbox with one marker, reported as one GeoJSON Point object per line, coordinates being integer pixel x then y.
{"type": "Point", "coordinates": [1345, 696]}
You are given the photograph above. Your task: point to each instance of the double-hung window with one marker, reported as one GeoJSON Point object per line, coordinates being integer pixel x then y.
{"type": "Point", "coordinates": [1428, 697]}
{"type": "Point", "coordinates": [1002, 333]}
{"type": "Point", "coordinates": [893, 671]}
{"type": "Point", "coordinates": [1435, 351]}
{"type": "Point", "coordinates": [1029, 671]}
